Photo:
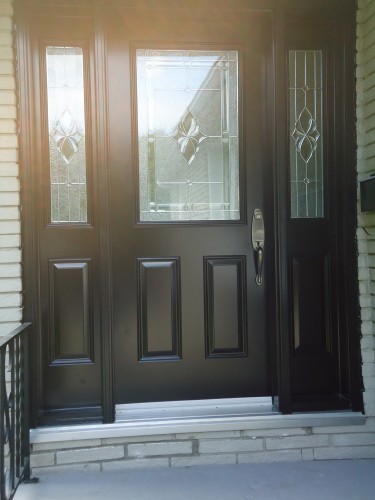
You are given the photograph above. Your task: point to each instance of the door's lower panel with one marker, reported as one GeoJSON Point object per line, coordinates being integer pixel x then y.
{"type": "Point", "coordinates": [316, 382]}
{"type": "Point", "coordinates": [225, 306]}
{"type": "Point", "coordinates": [72, 377]}
{"type": "Point", "coordinates": [71, 315]}
{"type": "Point", "coordinates": [159, 309]}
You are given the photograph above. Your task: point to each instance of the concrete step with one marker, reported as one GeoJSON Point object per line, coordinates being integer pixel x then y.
{"type": "Point", "coordinates": [323, 480]}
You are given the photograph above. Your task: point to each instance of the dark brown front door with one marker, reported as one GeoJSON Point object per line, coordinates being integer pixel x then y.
{"type": "Point", "coordinates": [189, 163]}
{"type": "Point", "coordinates": [151, 134]}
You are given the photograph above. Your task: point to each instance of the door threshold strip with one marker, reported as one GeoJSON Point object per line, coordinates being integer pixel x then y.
{"type": "Point", "coordinates": [196, 409]}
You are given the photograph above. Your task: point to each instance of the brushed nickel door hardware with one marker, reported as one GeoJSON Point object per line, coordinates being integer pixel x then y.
{"type": "Point", "coordinates": [257, 237]}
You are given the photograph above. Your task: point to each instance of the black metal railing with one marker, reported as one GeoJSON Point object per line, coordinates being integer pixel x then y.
{"type": "Point", "coordinates": [14, 414]}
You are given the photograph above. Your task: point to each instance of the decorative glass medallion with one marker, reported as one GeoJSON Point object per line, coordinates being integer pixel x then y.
{"type": "Point", "coordinates": [67, 136]}
{"type": "Point", "coordinates": [188, 135]}
{"type": "Point", "coordinates": [306, 141]}
{"type": "Point", "coordinates": [305, 135]}
{"type": "Point", "coordinates": [66, 123]}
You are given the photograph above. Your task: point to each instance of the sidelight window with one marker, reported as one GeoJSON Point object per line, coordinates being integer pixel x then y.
{"type": "Point", "coordinates": [306, 133]}
{"type": "Point", "coordinates": [66, 126]}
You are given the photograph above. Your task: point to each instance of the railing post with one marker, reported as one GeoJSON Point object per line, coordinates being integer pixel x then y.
{"type": "Point", "coordinates": [25, 440]}
{"type": "Point", "coordinates": [14, 411]}
{"type": "Point", "coordinates": [2, 424]}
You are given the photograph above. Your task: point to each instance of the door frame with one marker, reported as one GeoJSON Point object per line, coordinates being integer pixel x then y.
{"type": "Point", "coordinates": [287, 16]}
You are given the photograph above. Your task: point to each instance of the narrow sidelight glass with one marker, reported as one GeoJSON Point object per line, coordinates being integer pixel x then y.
{"type": "Point", "coordinates": [66, 125]}
{"type": "Point", "coordinates": [306, 133]}
{"type": "Point", "coordinates": [188, 135]}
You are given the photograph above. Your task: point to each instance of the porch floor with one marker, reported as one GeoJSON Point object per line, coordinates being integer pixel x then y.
{"type": "Point", "coordinates": [326, 480]}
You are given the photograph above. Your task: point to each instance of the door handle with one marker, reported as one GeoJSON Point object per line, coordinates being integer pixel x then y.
{"type": "Point", "coordinates": [257, 239]}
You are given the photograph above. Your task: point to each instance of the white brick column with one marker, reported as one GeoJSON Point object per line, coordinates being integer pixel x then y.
{"type": "Point", "coordinates": [366, 165]}
{"type": "Point", "coordinates": [10, 254]}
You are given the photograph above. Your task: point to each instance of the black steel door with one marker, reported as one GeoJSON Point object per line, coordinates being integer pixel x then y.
{"type": "Point", "coordinates": [189, 161]}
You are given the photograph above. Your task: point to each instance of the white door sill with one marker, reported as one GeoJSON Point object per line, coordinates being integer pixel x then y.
{"type": "Point", "coordinates": [152, 419]}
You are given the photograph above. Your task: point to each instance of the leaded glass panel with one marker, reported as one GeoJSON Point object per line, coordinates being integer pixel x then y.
{"type": "Point", "coordinates": [66, 125]}
{"type": "Point", "coordinates": [306, 133]}
{"type": "Point", "coordinates": [188, 135]}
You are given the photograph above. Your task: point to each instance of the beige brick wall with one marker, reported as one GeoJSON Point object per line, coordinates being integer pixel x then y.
{"type": "Point", "coordinates": [298, 444]}
{"type": "Point", "coordinates": [10, 254]}
{"type": "Point", "coordinates": [366, 165]}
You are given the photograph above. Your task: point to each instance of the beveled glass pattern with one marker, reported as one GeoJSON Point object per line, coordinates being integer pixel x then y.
{"type": "Point", "coordinates": [188, 135]}
{"type": "Point", "coordinates": [306, 141]}
{"type": "Point", "coordinates": [66, 124]}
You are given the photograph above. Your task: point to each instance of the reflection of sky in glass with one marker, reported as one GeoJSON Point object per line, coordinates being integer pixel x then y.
{"type": "Point", "coordinates": [171, 87]}
{"type": "Point", "coordinates": [65, 84]}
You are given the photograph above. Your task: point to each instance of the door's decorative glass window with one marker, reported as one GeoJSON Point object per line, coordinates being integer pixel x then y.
{"type": "Point", "coordinates": [188, 135]}
{"type": "Point", "coordinates": [66, 124]}
{"type": "Point", "coordinates": [306, 141]}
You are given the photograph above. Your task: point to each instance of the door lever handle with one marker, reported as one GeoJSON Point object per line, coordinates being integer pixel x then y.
{"type": "Point", "coordinates": [257, 239]}
{"type": "Point", "coordinates": [259, 265]}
